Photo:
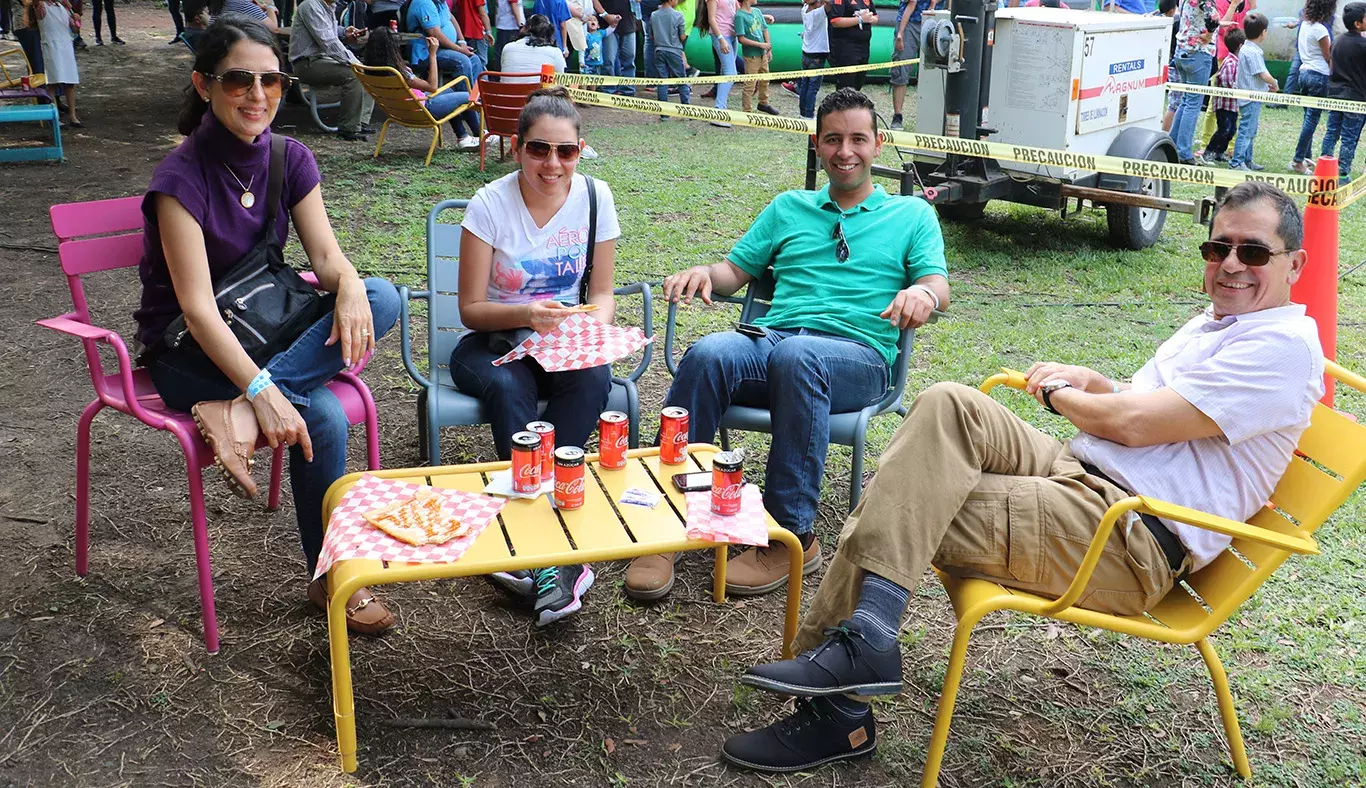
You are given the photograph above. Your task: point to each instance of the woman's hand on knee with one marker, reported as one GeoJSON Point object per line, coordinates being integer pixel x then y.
{"type": "Point", "coordinates": [352, 322]}
{"type": "Point", "coordinates": [280, 422]}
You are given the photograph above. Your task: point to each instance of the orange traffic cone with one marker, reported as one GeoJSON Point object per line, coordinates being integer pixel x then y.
{"type": "Point", "coordinates": [1317, 287]}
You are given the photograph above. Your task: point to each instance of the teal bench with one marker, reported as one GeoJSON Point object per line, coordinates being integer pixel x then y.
{"type": "Point", "coordinates": [38, 112]}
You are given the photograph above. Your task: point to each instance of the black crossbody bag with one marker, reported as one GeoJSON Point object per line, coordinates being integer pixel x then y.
{"type": "Point", "coordinates": [264, 301]}
{"type": "Point", "coordinates": [502, 342]}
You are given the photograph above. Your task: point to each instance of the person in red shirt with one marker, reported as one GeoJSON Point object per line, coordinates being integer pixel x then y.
{"type": "Point", "coordinates": [473, 18]}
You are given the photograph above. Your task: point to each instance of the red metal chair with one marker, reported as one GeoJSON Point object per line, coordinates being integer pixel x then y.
{"type": "Point", "coordinates": [500, 105]}
{"type": "Point", "coordinates": [105, 235]}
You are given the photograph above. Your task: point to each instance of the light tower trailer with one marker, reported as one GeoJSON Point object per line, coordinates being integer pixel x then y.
{"type": "Point", "coordinates": [1058, 85]}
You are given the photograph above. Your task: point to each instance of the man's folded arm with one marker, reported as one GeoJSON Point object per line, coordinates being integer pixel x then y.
{"type": "Point", "coordinates": [1135, 419]}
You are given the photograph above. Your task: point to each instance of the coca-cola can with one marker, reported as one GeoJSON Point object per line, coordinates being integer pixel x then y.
{"type": "Point", "coordinates": [612, 434]}
{"type": "Point", "coordinates": [569, 479]}
{"type": "Point", "coordinates": [547, 432]}
{"type": "Point", "coordinates": [526, 462]}
{"type": "Point", "coordinates": [727, 477]}
{"type": "Point", "coordinates": [673, 436]}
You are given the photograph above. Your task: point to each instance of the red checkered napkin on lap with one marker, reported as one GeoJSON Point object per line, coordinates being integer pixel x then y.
{"type": "Point", "coordinates": [578, 342]}
{"type": "Point", "coordinates": [350, 536]}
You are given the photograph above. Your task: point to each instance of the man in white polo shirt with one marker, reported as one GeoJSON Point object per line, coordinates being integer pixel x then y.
{"type": "Point", "coordinates": [1210, 422]}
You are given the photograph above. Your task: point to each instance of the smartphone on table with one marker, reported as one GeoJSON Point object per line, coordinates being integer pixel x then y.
{"type": "Point", "coordinates": [692, 482]}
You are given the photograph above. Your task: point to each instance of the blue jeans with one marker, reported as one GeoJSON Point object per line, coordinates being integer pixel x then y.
{"type": "Point", "coordinates": [669, 63]}
{"type": "Point", "coordinates": [185, 377]}
{"type": "Point", "coordinates": [441, 105]}
{"type": "Point", "coordinates": [619, 60]}
{"type": "Point", "coordinates": [1292, 78]}
{"type": "Point", "coordinates": [801, 376]}
{"type": "Point", "coordinates": [1347, 127]}
{"type": "Point", "coordinates": [510, 393]}
{"type": "Point", "coordinates": [647, 9]}
{"type": "Point", "coordinates": [1312, 83]}
{"type": "Point", "coordinates": [727, 67]}
{"type": "Point", "coordinates": [1193, 68]}
{"type": "Point", "coordinates": [809, 87]}
{"type": "Point", "coordinates": [1248, 115]}
{"type": "Point", "coordinates": [448, 61]}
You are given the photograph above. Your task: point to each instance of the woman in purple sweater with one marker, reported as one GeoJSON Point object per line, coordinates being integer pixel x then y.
{"type": "Point", "coordinates": [204, 210]}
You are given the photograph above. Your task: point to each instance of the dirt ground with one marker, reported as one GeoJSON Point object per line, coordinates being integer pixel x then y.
{"type": "Point", "coordinates": [105, 681]}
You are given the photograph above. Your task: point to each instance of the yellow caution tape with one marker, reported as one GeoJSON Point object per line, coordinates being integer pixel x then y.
{"type": "Point", "coordinates": [1289, 99]}
{"type": "Point", "coordinates": [1302, 185]}
{"type": "Point", "coordinates": [1346, 195]}
{"type": "Point", "coordinates": [566, 78]}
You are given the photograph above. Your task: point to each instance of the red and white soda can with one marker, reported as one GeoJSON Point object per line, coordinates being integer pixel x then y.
{"type": "Point", "coordinates": [569, 479]}
{"type": "Point", "coordinates": [727, 477]}
{"type": "Point", "coordinates": [526, 462]}
{"type": "Point", "coordinates": [547, 432]}
{"type": "Point", "coordinates": [612, 434]}
{"type": "Point", "coordinates": [673, 436]}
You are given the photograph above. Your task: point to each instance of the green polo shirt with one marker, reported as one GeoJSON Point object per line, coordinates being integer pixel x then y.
{"type": "Point", "coordinates": [893, 241]}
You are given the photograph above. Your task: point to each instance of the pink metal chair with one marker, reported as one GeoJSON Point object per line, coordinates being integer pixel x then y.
{"type": "Point", "coordinates": [105, 235]}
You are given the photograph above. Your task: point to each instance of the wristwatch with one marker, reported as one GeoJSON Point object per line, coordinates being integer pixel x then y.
{"type": "Point", "coordinates": [1047, 390]}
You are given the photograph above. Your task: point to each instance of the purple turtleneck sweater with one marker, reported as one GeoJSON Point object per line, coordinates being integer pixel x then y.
{"type": "Point", "coordinates": [196, 174]}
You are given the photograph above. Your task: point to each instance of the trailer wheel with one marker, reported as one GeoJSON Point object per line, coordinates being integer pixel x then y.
{"type": "Point", "coordinates": [962, 211]}
{"type": "Point", "coordinates": [1132, 227]}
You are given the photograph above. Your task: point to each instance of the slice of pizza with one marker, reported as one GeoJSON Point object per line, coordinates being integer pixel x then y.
{"type": "Point", "coordinates": [418, 520]}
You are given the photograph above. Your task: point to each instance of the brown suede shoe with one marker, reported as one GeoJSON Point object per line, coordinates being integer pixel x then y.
{"type": "Point", "coordinates": [232, 445]}
{"type": "Point", "coordinates": [764, 569]}
{"type": "Point", "coordinates": [364, 613]}
{"type": "Point", "coordinates": [650, 577]}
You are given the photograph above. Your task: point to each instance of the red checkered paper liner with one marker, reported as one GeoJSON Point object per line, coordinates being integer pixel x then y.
{"type": "Point", "coordinates": [350, 536]}
{"type": "Point", "coordinates": [578, 342]}
{"type": "Point", "coordinates": [748, 526]}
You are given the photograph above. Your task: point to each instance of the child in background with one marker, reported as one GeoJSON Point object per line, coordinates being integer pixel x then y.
{"type": "Point", "coordinates": [1347, 81]}
{"type": "Point", "coordinates": [1225, 108]}
{"type": "Point", "coordinates": [751, 30]}
{"type": "Point", "coordinates": [382, 50]}
{"type": "Point", "coordinates": [815, 51]}
{"type": "Point", "coordinates": [56, 21]}
{"type": "Point", "coordinates": [1252, 75]}
{"type": "Point", "coordinates": [669, 31]}
{"type": "Point", "coordinates": [592, 46]}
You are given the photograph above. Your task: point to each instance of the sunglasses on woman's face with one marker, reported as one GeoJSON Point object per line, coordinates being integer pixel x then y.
{"type": "Point", "coordinates": [1254, 255]}
{"type": "Point", "coordinates": [237, 82]}
{"type": "Point", "coordinates": [540, 150]}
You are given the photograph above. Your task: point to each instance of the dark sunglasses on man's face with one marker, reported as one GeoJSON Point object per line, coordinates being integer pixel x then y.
{"type": "Point", "coordinates": [1254, 255]}
{"type": "Point", "coordinates": [841, 245]}
{"type": "Point", "coordinates": [237, 82]}
{"type": "Point", "coordinates": [540, 150]}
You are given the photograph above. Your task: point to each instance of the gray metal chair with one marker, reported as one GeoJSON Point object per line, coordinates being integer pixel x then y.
{"type": "Point", "coordinates": [440, 403]}
{"type": "Point", "coordinates": [846, 429]}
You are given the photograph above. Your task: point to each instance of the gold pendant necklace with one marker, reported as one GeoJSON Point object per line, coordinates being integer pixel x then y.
{"type": "Point", "coordinates": [247, 199]}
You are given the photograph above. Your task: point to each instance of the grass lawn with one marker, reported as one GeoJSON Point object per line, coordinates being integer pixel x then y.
{"type": "Point", "coordinates": [1042, 705]}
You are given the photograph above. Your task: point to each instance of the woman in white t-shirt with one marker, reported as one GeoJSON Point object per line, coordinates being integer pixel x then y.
{"type": "Point", "coordinates": [537, 48]}
{"type": "Point", "coordinates": [1313, 44]}
{"type": "Point", "coordinates": [522, 261]}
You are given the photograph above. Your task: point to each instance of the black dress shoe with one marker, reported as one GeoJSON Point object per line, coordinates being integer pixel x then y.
{"type": "Point", "coordinates": [354, 136]}
{"type": "Point", "coordinates": [769, 109]}
{"type": "Point", "coordinates": [368, 129]}
{"type": "Point", "coordinates": [817, 733]}
{"type": "Point", "coordinates": [845, 663]}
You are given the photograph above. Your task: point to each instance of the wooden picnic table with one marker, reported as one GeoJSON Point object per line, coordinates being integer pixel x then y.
{"type": "Point", "coordinates": [532, 534]}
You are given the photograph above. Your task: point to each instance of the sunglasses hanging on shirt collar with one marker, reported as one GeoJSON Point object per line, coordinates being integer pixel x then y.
{"type": "Point", "coordinates": [841, 245]}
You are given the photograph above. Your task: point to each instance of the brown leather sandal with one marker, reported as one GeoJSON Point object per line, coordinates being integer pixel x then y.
{"type": "Point", "coordinates": [231, 456]}
{"type": "Point", "coordinates": [365, 614]}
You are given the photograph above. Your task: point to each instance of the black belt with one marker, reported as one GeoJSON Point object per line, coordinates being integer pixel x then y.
{"type": "Point", "coordinates": [1171, 546]}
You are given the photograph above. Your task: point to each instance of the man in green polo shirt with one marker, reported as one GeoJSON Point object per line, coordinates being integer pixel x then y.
{"type": "Point", "coordinates": [852, 266]}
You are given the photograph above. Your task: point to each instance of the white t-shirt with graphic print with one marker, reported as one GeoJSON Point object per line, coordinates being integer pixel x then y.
{"type": "Point", "coordinates": [533, 263]}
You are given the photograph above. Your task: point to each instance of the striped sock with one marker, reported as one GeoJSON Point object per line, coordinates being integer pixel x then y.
{"type": "Point", "coordinates": [845, 706]}
{"type": "Point", "coordinates": [879, 610]}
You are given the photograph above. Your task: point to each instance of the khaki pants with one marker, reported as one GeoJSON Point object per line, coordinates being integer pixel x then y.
{"type": "Point", "coordinates": [757, 64]}
{"type": "Point", "coordinates": [356, 104]}
{"type": "Point", "coordinates": [973, 489]}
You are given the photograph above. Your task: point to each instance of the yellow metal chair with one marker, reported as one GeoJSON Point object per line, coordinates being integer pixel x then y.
{"type": "Point", "coordinates": [14, 66]}
{"type": "Point", "coordinates": [391, 92]}
{"type": "Point", "coordinates": [1330, 462]}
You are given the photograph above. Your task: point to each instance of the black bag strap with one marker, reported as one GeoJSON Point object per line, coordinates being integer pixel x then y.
{"type": "Point", "coordinates": [592, 239]}
{"type": "Point", "coordinates": [275, 179]}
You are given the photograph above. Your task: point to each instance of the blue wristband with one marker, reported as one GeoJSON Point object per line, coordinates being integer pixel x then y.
{"type": "Point", "coordinates": [259, 384]}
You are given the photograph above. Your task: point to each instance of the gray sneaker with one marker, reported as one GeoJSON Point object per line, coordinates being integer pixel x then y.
{"type": "Point", "coordinates": [1240, 167]}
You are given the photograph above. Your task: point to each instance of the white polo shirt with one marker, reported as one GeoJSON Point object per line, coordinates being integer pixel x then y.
{"type": "Point", "coordinates": [1257, 376]}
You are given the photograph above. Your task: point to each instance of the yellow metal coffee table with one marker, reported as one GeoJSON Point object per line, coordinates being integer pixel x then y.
{"type": "Point", "coordinates": [530, 534]}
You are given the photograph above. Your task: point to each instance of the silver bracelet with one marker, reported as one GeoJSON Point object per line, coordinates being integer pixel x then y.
{"type": "Point", "coordinates": [933, 294]}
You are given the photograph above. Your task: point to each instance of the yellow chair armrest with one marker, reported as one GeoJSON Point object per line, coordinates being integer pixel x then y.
{"type": "Point", "coordinates": [1012, 378]}
{"type": "Point", "coordinates": [451, 86]}
{"type": "Point", "coordinates": [1213, 522]}
{"type": "Point", "coordinates": [1345, 375]}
